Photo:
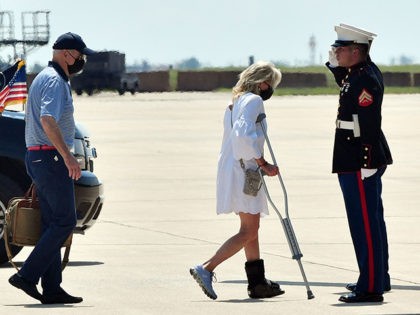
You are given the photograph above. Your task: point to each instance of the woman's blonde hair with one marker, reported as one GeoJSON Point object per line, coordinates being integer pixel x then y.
{"type": "Point", "coordinates": [251, 77]}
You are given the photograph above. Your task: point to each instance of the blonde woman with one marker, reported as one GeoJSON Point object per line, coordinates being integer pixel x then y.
{"type": "Point", "coordinates": [242, 148]}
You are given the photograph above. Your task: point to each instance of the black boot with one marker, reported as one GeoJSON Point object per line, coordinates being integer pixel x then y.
{"type": "Point", "coordinates": [258, 286]}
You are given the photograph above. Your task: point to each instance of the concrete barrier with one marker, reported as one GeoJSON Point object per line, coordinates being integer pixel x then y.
{"type": "Point", "coordinates": [397, 78]}
{"type": "Point", "coordinates": [228, 79]}
{"type": "Point", "coordinates": [211, 80]}
{"type": "Point", "coordinates": [416, 79]}
{"type": "Point", "coordinates": [206, 80]}
{"type": "Point", "coordinates": [156, 81]}
{"type": "Point", "coordinates": [303, 79]}
{"type": "Point", "coordinates": [197, 81]}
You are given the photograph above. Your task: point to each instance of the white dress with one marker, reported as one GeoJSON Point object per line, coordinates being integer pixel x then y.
{"type": "Point", "coordinates": [242, 138]}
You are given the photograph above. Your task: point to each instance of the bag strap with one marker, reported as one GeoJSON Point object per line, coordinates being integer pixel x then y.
{"type": "Point", "coordinates": [6, 244]}
{"type": "Point", "coordinates": [241, 161]}
{"type": "Point", "coordinates": [66, 257]}
{"type": "Point", "coordinates": [10, 256]}
{"type": "Point", "coordinates": [30, 192]}
{"type": "Point", "coordinates": [31, 195]}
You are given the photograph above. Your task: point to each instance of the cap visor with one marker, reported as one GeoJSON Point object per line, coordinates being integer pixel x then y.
{"type": "Point", "coordinates": [88, 51]}
{"type": "Point", "coordinates": [342, 43]}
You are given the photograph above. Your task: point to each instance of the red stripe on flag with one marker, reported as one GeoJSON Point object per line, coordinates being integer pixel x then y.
{"type": "Point", "coordinates": [16, 92]}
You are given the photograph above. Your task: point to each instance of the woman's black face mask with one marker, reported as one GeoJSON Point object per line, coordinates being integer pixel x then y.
{"type": "Point", "coordinates": [266, 94]}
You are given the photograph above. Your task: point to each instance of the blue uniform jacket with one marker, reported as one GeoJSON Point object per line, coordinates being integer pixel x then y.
{"type": "Point", "coordinates": [361, 94]}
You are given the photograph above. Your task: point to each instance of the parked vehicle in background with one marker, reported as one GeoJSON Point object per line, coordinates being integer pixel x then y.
{"type": "Point", "coordinates": [105, 71]}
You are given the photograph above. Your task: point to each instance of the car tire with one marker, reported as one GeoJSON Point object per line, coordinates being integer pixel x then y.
{"type": "Point", "coordinates": [8, 190]}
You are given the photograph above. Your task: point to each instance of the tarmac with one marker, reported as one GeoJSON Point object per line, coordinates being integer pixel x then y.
{"type": "Point", "coordinates": [157, 158]}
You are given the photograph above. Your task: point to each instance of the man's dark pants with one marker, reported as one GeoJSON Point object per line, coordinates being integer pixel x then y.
{"type": "Point", "coordinates": [55, 191]}
{"type": "Point", "coordinates": [365, 216]}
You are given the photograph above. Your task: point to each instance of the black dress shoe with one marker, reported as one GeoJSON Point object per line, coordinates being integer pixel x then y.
{"type": "Point", "coordinates": [61, 298]}
{"type": "Point", "coordinates": [29, 288]}
{"type": "Point", "coordinates": [352, 287]}
{"type": "Point", "coordinates": [356, 297]}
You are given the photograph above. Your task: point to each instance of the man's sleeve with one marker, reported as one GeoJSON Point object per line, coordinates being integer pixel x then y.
{"type": "Point", "coordinates": [338, 72]}
{"type": "Point", "coordinates": [369, 99]}
{"type": "Point", "coordinates": [52, 100]}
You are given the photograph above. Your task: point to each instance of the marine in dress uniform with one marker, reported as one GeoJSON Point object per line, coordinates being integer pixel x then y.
{"type": "Point", "coordinates": [360, 157]}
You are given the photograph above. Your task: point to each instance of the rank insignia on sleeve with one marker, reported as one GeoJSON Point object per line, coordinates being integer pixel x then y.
{"type": "Point", "coordinates": [365, 98]}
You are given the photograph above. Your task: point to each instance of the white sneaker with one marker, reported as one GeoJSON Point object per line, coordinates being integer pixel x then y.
{"type": "Point", "coordinates": [204, 279]}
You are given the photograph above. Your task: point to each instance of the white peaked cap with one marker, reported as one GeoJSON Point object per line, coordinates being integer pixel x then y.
{"type": "Point", "coordinates": [367, 33]}
{"type": "Point", "coordinates": [347, 35]}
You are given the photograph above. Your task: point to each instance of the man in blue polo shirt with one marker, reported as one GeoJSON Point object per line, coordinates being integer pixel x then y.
{"type": "Point", "coordinates": [49, 138]}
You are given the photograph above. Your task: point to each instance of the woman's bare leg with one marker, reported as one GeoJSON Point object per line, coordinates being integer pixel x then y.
{"type": "Point", "coordinates": [247, 238]}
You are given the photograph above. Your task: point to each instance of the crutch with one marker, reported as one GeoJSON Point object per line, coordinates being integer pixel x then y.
{"type": "Point", "coordinates": [286, 223]}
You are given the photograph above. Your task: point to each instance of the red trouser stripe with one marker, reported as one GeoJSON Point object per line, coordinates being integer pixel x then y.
{"type": "Point", "coordinates": [367, 231]}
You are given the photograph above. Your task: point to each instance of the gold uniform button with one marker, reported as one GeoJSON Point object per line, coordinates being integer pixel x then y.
{"type": "Point", "coordinates": [365, 165]}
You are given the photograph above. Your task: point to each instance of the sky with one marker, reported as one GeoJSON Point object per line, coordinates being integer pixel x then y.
{"type": "Point", "coordinates": [224, 32]}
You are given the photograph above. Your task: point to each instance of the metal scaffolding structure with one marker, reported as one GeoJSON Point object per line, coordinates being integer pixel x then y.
{"type": "Point", "coordinates": [35, 31]}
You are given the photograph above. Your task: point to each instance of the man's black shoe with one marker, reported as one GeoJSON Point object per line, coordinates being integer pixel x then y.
{"type": "Point", "coordinates": [61, 298]}
{"type": "Point", "coordinates": [352, 287]}
{"type": "Point", "coordinates": [356, 297]}
{"type": "Point", "coordinates": [29, 288]}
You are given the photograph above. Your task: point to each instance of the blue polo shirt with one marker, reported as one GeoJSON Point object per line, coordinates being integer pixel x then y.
{"type": "Point", "coordinates": [49, 95]}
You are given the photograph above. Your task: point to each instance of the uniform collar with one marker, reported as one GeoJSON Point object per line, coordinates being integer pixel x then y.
{"type": "Point", "coordinates": [59, 70]}
{"type": "Point", "coordinates": [357, 66]}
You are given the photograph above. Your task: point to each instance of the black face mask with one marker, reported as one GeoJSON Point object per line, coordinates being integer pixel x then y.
{"type": "Point", "coordinates": [76, 67]}
{"type": "Point", "coordinates": [266, 94]}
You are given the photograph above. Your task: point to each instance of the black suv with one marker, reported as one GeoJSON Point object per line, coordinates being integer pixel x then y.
{"type": "Point", "coordinates": [14, 181]}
